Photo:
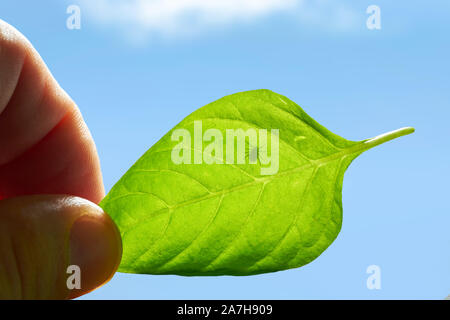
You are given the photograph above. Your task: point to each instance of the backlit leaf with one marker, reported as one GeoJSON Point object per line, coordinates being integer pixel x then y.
{"type": "Point", "coordinates": [235, 218]}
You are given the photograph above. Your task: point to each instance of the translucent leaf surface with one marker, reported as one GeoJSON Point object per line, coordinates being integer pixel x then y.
{"type": "Point", "coordinates": [231, 219]}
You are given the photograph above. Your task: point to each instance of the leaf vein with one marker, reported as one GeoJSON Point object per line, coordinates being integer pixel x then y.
{"type": "Point", "coordinates": [174, 171]}
{"type": "Point", "coordinates": [294, 221]}
{"type": "Point", "coordinates": [241, 228]}
{"type": "Point", "coordinates": [331, 199]}
{"type": "Point", "coordinates": [199, 234]}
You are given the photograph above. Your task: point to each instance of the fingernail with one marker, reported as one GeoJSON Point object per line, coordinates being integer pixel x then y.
{"type": "Point", "coordinates": [96, 248]}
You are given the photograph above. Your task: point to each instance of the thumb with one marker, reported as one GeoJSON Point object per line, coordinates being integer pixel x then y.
{"type": "Point", "coordinates": [55, 247]}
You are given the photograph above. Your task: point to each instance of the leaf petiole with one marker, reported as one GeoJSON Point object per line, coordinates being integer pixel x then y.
{"type": "Point", "coordinates": [385, 137]}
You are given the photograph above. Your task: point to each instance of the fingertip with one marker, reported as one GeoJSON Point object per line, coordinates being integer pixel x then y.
{"type": "Point", "coordinates": [96, 249]}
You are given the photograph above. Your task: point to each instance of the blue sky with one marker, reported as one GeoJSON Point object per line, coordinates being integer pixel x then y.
{"type": "Point", "coordinates": [134, 79]}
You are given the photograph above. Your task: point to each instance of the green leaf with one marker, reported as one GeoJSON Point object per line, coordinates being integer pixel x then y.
{"type": "Point", "coordinates": [235, 218]}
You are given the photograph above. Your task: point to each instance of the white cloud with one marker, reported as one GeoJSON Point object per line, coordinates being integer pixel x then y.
{"type": "Point", "coordinates": [168, 18]}
{"type": "Point", "coordinates": [331, 15]}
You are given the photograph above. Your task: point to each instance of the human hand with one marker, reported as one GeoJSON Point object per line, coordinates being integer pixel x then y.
{"type": "Point", "coordinates": [47, 154]}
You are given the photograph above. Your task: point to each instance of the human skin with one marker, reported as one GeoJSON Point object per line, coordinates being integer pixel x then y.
{"type": "Point", "coordinates": [50, 182]}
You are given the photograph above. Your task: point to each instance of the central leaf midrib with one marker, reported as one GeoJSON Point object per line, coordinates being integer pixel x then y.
{"type": "Point", "coordinates": [314, 163]}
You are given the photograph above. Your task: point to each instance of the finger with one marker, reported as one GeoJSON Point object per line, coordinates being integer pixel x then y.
{"type": "Point", "coordinates": [45, 146]}
{"type": "Point", "coordinates": [41, 236]}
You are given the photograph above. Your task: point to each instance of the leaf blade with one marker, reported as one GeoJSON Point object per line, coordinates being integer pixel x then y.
{"type": "Point", "coordinates": [212, 219]}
